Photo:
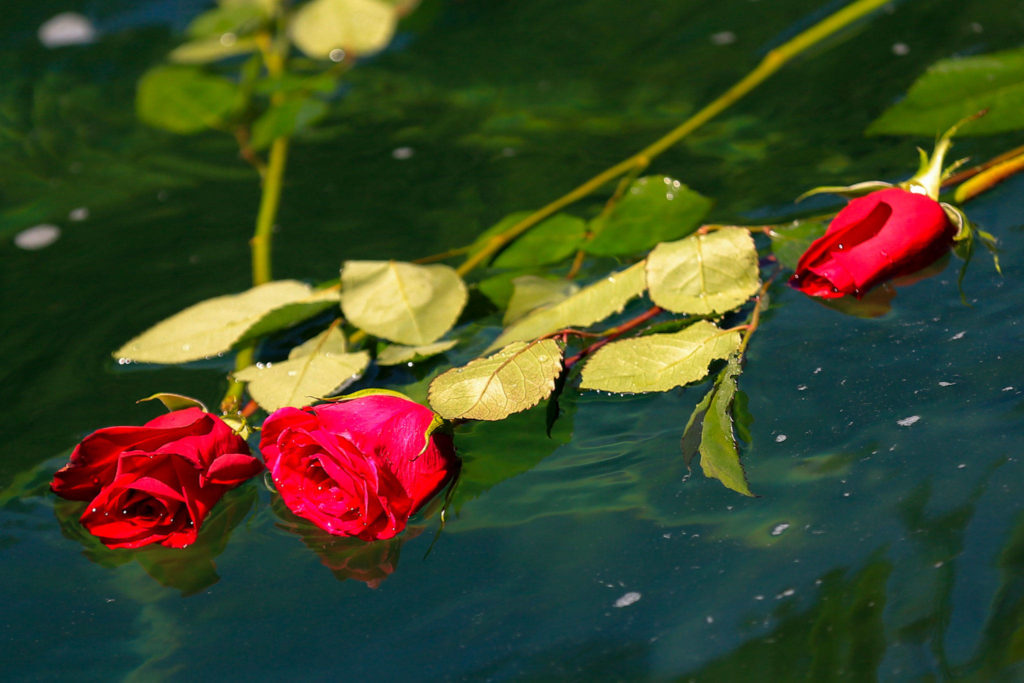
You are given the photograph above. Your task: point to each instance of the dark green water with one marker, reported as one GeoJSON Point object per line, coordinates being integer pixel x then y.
{"type": "Point", "coordinates": [876, 550]}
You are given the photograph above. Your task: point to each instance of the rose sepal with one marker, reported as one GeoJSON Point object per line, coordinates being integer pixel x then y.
{"type": "Point", "coordinates": [174, 401]}
{"type": "Point", "coordinates": [851, 191]}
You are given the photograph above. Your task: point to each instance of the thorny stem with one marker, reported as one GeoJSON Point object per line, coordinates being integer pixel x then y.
{"type": "Point", "coordinates": [771, 63]}
{"type": "Point", "coordinates": [613, 333]}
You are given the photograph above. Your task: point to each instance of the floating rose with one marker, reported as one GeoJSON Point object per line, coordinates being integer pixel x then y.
{"type": "Point", "coordinates": [361, 467]}
{"type": "Point", "coordinates": [155, 483]}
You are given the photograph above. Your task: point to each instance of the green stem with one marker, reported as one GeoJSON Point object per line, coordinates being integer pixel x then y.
{"type": "Point", "coordinates": [262, 239]}
{"type": "Point", "coordinates": [771, 63]}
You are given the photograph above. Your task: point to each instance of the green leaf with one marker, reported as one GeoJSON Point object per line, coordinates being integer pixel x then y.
{"type": "Point", "coordinates": [176, 401]}
{"type": "Point", "coordinates": [396, 354]}
{"type": "Point", "coordinates": [501, 226]}
{"type": "Point", "coordinates": [291, 314]}
{"type": "Point", "coordinates": [533, 292]}
{"type": "Point", "coordinates": [234, 18]}
{"type": "Point", "coordinates": [516, 378]}
{"type": "Point", "coordinates": [719, 457]}
{"type": "Point", "coordinates": [953, 89]}
{"type": "Point", "coordinates": [286, 119]}
{"type": "Point", "coordinates": [704, 274]}
{"type": "Point", "coordinates": [211, 50]}
{"type": "Point", "coordinates": [355, 26]}
{"type": "Point", "coordinates": [690, 443]}
{"type": "Point", "coordinates": [592, 303]}
{"type": "Point", "coordinates": [402, 302]}
{"type": "Point", "coordinates": [214, 326]}
{"type": "Point", "coordinates": [314, 369]}
{"type": "Point", "coordinates": [183, 99]}
{"type": "Point", "coordinates": [789, 242]}
{"type": "Point", "coordinates": [658, 362]}
{"type": "Point", "coordinates": [654, 209]}
{"type": "Point", "coordinates": [550, 241]}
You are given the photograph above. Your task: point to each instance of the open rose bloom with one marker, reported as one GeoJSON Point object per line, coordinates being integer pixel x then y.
{"type": "Point", "coordinates": [155, 483]}
{"type": "Point", "coordinates": [883, 235]}
{"type": "Point", "coordinates": [360, 467]}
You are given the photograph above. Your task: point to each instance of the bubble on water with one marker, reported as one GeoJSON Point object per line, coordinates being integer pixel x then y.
{"type": "Point", "coordinates": [402, 153]}
{"type": "Point", "coordinates": [66, 28]}
{"type": "Point", "coordinates": [723, 38]}
{"type": "Point", "coordinates": [780, 438]}
{"type": "Point", "coordinates": [779, 528]}
{"type": "Point", "coordinates": [907, 421]}
{"type": "Point", "coordinates": [79, 214]}
{"type": "Point", "coordinates": [958, 335]}
{"type": "Point", "coordinates": [37, 237]}
{"type": "Point", "coordinates": [628, 599]}
{"type": "Point", "coordinates": [946, 384]}
{"type": "Point", "coordinates": [900, 49]}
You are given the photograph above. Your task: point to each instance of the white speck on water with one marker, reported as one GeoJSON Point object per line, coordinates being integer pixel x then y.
{"type": "Point", "coordinates": [710, 619]}
{"type": "Point", "coordinates": [816, 371]}
{"type": "Point", "coordinates": [801, 387]}
{"type": "Point", "coordinates": [961, 466]}
{"type": "Point", "coordinates": [958, 335]}
{"type": "Point", "coordinates": [976, 27]}
{"type": "Point", "coordinates": [759, 597]}
{"type": "Point", "coordinates": [946, 384]}
{"type": "Point", "coordinates": [900, 49]}
{"type": "Point", "coordinates": [779, 528]}
{"type": "Point", "coordinates": [627, 599]}
{"type": "Point", "coordinates": [786, 593]}
{"type": "Point", "coordinates": [723, 38]}
{"type": "Point", "coordinates": [79, 214]}
{"type": "Point", "coordinates": [37, 237]}
{"type": "Point", "coordinates": [780, 438]}
{"type": "Point", "coordinates": [66, 28]}
{"type": "Point", "coordinates": [907, 421]}
{"type": "Point", "coordinates": [402, 153]}
{"type": "Point", "coordinates": [1007, 388]}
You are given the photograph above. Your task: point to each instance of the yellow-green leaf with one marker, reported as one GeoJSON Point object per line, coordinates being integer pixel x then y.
{"type": "Point", "coordinates": [211, 50]}
{"type": "Point", "coordinates": [587, 306]}
{"type": "Point", "coordinates": [314, 369]}
{"type": "Point", "coordinates": [704, 274]}
{"type": "Point", "coordinates": [515, 379]}
{"type": "Point", "coordinates": [213, 326]}
{"type": "Point", "coordinates": [402, 302]}
{"type": "Point", "coordinates": [532, 292]}
{"type": "Point", "coordinates": [355, 26]}
{"type": "Point", "coordinates": [396, 354]}
{"type": "Point", "coordinates": [658, 362]}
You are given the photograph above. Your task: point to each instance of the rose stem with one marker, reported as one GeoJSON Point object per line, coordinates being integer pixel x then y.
{"type": "Point", "coordinates": [613, 333]}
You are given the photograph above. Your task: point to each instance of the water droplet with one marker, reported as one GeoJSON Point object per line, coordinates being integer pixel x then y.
{"type": "Point", "coordinates": [336, 55]}
{"type": "Point", "coordinates": [228, 39]}
{"type": "Point", "coordinates": [840, 246]}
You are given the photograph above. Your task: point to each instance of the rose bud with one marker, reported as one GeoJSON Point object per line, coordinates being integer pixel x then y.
{"type": "Point", "coordinates": [155, 483]}
{"type": "Point", "coordinates": [883, 235]}
{"type": "Point", "coordinates": [360, 467]}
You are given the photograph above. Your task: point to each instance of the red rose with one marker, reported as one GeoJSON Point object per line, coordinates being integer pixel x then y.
{"type": "Point", "coordinates": [883, 235]}
{"type": "Point", "coordinates": [360, 467]}
{"type": "Point", "coordinates": [155, 483]}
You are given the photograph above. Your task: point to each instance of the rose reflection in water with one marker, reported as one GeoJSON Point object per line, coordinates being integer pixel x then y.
{"type": "Point", "coordinates": [878, 301]}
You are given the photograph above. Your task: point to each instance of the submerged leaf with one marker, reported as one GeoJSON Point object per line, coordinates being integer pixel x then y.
{"type": "Point", "coordinates": [313, 369]}
{"type": "Point", "coordinates": [214, 326]}
{"type": "Point", "coordinates": [658, 362]}
{"type": "Point", "coordinates": [592, 303]}
{"type": "Point", "coordinates": [719, 457]}
{"type": "Point", "coordinates": [396, 354]}
{"type": "Point", "coordinates": [402, 302]}
{"type": "Point", "coordinates": [516, 378]}
{"type": "Point", "coordinates": [355, 26]}
{"type": "Point", "coordinates": [704, 274]}
{"type": "Point", "coordinates": [532, 292]}
{"type": "Point", "coordinates": [653, 209]}
{"type": "Point", "coordinates": [184, 99]}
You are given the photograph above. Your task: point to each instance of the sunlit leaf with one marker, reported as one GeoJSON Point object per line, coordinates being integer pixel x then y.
{"type": "Point", "coordinates": [289, 315]}
{"type": "Point", "coordinates": [550, 241]}
{"type": "Point", "coordinates": [953, 89]}
{"type": "Point", "coordinates": [704, 274]}
{"type": "Point", "coordinates": [175, 401]}
{"type": "Point", "coordinates": [286, 119]}
{"type": "Point", "coordinates": [532, 292]}
{"type": "Point", "coordinates": [653, 209]}
{"type": "Point", "coordinates": [789, 242]}
{"type": "Point", "coordinates": [516, 378]}
{"type": "Point", "coordinates": [402, 302]}
{"type": "Point", "coordinates": [658, 362]}
{"type": "Point", "coordinates": [230, 18]}
{"type": "Point", "coordinates": [396, 354]}
{"type": "Point", "coordinates": [211, 50]}
{"type": "Point", "coordinates": [314, 369]}
{"type": "Point", "coordinates": [719, 457]}
{"type": "Point", "coordinates": [355, 26]}
{"type": "Point", "coordinates": [214, 326]}
{"type": "Point", "coordinates": [184, 99]}
{"type": "Point", "coordinates": [592, 303]}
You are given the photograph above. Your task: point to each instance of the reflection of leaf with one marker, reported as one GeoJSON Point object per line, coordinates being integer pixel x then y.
{"type": "Point", "coordinates": [658, 362]}
{"type": "Point", "coordinates": [654, 209]}
{"type": "Point", "coordinates": [594, 302]}
{"type": "Point", "coordinates": [355, 26]}
{"type": "Point", "coordinates": [184, 99]}
{"type": "Point", "coordinates": [704, 274]}
{"type": "Point", "coordinates": [314, 369]}
{"type": "Point", "coordinates": [190, 569]}
{"type": "Point", "coordinates": [516, 378]}
{"type": "Point", "coordinates": [953, 89]}
{"type": "Point", "coordinates": [402, 302]}
{"type": "Point", "coordinates": [216, 325]}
